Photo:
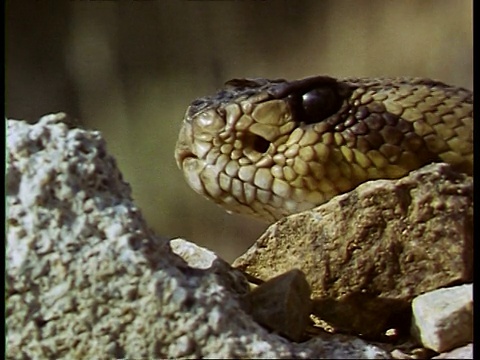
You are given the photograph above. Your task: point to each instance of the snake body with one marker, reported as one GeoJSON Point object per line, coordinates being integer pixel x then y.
{"type": "Point", "coordinates": [270, 148]}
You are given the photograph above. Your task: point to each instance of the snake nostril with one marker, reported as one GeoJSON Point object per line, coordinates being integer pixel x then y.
{"type": "Point", "coordinates": [260, 144]}
{"type": "Point", "coordinates": [256, 143]}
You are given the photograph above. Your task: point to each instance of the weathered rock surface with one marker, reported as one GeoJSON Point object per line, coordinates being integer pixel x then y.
{"type": "Point", "coordinates": [464, 352]}
{"type": "Point", "coordinates": [283, 304]}
{"type": "Point", "coordinates": [86, 278]}
{"type": "Point", "coordinates": [197, 257]}
{"type": "Point", "coordinates": [443, 319]}
{"type": "Point", "coordinates": [367, 253]}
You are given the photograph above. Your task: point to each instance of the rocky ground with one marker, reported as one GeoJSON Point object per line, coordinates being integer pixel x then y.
{"type": "Point", "coordinates": [87, 278]}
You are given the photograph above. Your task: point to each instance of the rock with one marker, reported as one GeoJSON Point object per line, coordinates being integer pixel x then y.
{"type": "Point", "coordinates": [86, 277]}
{"type": "Point", "coordinates": [464, 352]}
{"type": "Point", "coordinates": [339, 346]}
{"type": "Point", "coordinates": [355, 313]}
{"type": "Point", "coordinates": [443, 319]}
{"type": "Point", "coordinates": [283, 304]}
{"type": "Point", "coordinates": [368, 253]}
{"type": "Point", "coordinates": [200, 258]}
{"type": "Point", "coordinates": [418, 353]}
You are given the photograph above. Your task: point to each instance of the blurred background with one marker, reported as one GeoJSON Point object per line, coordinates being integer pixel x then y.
{"type": "Point", "coordinates": [130, 69]}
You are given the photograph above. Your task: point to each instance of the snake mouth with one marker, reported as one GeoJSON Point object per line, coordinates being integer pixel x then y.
{"type": "Point", "coordinates": [184, 146]}
{"type": "Point", "coordinates": [182, 155]}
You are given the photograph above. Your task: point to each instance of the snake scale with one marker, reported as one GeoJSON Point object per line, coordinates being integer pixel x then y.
{"type": "Point", "coordinates": [270, 148]}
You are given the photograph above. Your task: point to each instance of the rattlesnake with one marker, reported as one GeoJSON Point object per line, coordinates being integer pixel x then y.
{"type": "Point", "coordinates": [270, 148]}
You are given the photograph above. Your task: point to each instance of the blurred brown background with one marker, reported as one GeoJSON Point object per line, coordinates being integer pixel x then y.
{"type": "Point", "coordinates": [130, 68]}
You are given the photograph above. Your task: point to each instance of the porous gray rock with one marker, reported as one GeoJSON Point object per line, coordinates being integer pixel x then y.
{"type": "Point", "coordinates": [443, 319]}
{"type": "Point", "coordinates": [86, 277]}
{"type": "Point", "coordinates": [367, 253]}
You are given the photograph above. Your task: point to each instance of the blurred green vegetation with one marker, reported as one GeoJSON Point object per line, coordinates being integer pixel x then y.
{"type": "Point", "coordinates": [130, 68]}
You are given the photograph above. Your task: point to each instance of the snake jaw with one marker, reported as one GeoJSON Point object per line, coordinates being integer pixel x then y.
{"type": "Point", "coordinates": [184, 144]}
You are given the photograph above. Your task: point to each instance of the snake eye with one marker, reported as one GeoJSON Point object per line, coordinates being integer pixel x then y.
{"type": "Point", "coordinates": [315, 105]}
{"type": "Point", "coordinates": [318, 104]}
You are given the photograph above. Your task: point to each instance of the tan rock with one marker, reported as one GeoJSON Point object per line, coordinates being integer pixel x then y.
{"type": "Point", "coordinates": [283, 304]}
{"type": "Point", "coordinates": [372, 250]}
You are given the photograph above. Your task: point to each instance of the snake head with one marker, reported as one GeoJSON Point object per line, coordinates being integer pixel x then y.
{"type": "Point", "coordinates": [241, 146]}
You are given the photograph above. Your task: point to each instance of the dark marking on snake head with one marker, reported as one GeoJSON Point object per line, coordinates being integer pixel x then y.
{"type": "Point", "coordinates": [245, 83]}
{"type": "Point", "coordinates": [360, 128]}
{"type": "Point", "coordinates": [374, 122]}
{"type": "Point", "coordinates": [284, 89]}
